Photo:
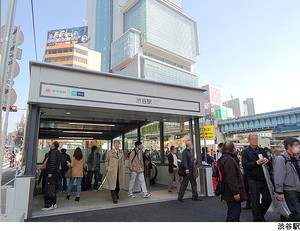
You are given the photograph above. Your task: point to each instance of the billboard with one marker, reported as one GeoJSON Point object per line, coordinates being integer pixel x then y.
{"type": "Point", "coordinates": [212, 95]}
{"type": "Point", "coordinates": [67, 36]}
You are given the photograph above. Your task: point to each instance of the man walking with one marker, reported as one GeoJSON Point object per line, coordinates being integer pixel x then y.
{"type": "Point", "coordinates": [188, 163]}
{"type": "Point", "coordinates": [252, 165]}
{"type": "Point", "coordinates": [62, 180]}
{"type": "Point", "coordinates": [234, 191]}
{"type": "Point", "coordinates": [115, 166]}
{"type": "Point", "coordinates": [136, 166]}
{"type": "Point", "coordinates": [173, 170]}
{"type": "Point", "coordinates": [94, 168]}
{"type": "Point", "coordinates": [287, 177]}
{"type": "Point", "coordinates": [52, 170]}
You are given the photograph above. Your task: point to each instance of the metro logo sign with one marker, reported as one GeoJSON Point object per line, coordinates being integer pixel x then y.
{"type": "Point", "coordinates": [48, 90]}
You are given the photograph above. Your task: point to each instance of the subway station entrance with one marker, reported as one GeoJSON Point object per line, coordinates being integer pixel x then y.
{"type": "Point", "coordinates": [82, 108]}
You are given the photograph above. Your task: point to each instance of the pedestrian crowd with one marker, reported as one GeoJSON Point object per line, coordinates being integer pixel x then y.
{"type": "Point", "coordinates": [237, 176]}
{"type": "Point", "coordinates": [252, 175]}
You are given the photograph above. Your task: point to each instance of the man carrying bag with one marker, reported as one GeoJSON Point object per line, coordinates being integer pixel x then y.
{"type": "Point", "coordinates": [52, 170]}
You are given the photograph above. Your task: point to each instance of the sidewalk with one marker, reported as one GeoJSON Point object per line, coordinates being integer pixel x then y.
{"type": "Point", "coordinates": [91, 201]}
{"type": "Point", "coordinates": [211, 209]}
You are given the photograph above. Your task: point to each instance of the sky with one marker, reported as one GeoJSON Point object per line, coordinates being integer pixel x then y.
{"type": "Point", "coordinates": [247, 48]}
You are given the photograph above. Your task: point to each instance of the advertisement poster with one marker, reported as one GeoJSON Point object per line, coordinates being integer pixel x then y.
{"type": "Point", "coordinates": [67, 36]}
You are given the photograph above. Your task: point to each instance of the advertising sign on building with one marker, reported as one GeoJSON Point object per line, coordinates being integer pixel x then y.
{"type": "Point", "coordinates": [67, 36]}
{"type": "Point", "coordinates": [221, 113]}
{"type": "Point", "coordinates": [212, 95]}
{"type": "Point", "coordinates": [215, 95]}
{"type": "Point", "coordinates": [208, 131]}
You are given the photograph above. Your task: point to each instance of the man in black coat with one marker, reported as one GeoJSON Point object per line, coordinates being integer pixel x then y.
{"type": "Point", "coordinates": [234, 190]}
{"type": "Point", "coordinates": [252, 165]}
{"type": "Point", "coordinates": [52, 170]}
{"type": "Point", "coordinates": [62, 180]}
{"type": "Point", "coordinates": [188, 163]}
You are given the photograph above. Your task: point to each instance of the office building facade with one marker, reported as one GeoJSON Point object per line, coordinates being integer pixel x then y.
{"type": "Point", "coordinates": [149, 39]}
{"type": "Point", "coordinates": [73, 55]}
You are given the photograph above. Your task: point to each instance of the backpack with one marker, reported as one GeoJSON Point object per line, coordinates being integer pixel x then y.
{"type": "Point", "coordinates": [135, 154]}
{"type": "Point", "coordinates": [218, 181]}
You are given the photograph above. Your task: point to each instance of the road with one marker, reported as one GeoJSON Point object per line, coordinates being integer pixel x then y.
{"type": "Point", "coordinates": [208, 210]}
{"type": "Point", "coordinates": [7, 174]}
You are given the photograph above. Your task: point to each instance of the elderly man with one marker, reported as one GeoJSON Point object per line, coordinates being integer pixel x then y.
{"type": "Point", "coordinates": [188, 161]}
{"type": "Point", "coordinates": [287, 177]}
{"type": "Point", "coordinates": [115, 166]}
{"type": "Point", "coordinates": [278, 150]}
{"type": "Point", "coordinates": [252, 165]}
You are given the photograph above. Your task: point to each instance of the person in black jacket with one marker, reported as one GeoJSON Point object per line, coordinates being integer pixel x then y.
{"type": "Point", "coordinates": [188, 163]}
{"type": "Point", "coordinates": [234, 190]}
{"type": "Point", "coordinates": [252, 165]}
{"type": "Point", "coordinates": [93, 167]}
{"type": "Point", "coordinates": [52, 170]}
{"type": "Point", "coordinates": [148, 167]}
{"type": "Point", "coordinates": [62, 180]}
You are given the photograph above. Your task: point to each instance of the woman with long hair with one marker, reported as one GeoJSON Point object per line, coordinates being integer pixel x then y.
{"type": "Point", "coordinates": [77, 166]}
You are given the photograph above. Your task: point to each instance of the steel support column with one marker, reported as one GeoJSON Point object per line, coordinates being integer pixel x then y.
{"type": "Point", "coordinates": [139, 132]}
{"type": "Point", "coordinates": [162, 140]}
{"type": "Point", "coordinates": [31, 139]}
{"type": "Point", "coordinates": [197, 141]}
{"type": "Point", "coordinates": [191, 133]}
{"type": "Point", "coordinates": [123, 141]}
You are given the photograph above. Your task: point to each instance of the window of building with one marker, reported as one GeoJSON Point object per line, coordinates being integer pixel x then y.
{"type": "Point", "coordinates": [150, 137]}
{"type": "Point", "coordinates": [167, 61]}
{"type": "Point", "coordinates": [79, 59]}
{"type": "Point", "coordinates": [80, 51]}
{"type": "Point", "coordinates": [176, 134]}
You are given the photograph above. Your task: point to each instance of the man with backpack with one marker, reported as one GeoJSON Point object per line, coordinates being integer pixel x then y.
{"type": "Point", "coordinates": [136, 166]}
{"type": "Point", "coordinates": [252, 165]}
{"type": "Point", "coordinates": [233, 188]}
{"type": "Point", "coordinates": [287, 177]}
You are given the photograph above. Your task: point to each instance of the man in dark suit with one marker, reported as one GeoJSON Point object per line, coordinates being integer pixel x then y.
{"type": "Point", "coordinates": [188, 163]}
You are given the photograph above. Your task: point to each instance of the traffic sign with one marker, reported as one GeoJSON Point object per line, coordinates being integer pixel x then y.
{"type": "Point", "coordinates": [16, 70]}
{"type": "Point", "coordinates": [13, 98]}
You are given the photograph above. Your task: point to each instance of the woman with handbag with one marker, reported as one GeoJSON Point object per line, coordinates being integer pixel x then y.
{"type": "Point", "coordinates": [77, 166]}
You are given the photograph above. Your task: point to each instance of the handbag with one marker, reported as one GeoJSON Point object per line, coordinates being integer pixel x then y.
{"type": "Point", "coordinates": [43, 167]}
{"type": "Point", "coordinates": [181, 171]}
{"type": "Point", "coordinates": [68, 173]}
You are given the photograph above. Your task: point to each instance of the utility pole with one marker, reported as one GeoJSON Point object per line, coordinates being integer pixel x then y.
{"type": "Point", "coordinates": [5, 50]}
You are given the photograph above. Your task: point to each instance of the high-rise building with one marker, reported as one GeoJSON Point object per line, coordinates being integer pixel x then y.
{"type": "Point", "coordinates": [249, 106]}
{"type": "Point", "coordinates": [236, 105]}
{"type": "Point", "coordinates": [150, 39]}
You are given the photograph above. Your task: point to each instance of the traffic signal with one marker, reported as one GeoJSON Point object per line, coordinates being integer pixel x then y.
{"type": "Point", "coordinates": [13, 109]}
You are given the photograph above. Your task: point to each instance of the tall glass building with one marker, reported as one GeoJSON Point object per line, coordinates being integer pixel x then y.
{"type": "Point", "coordinates": [150, 39]}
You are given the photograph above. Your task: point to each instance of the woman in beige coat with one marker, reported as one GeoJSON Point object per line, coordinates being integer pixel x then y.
{"type": "Point", "coordinates": [77, 166]}
{"type": "Point", "coordinates": [115, 166]}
